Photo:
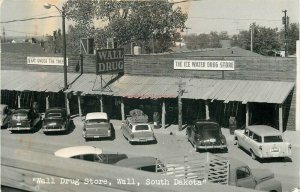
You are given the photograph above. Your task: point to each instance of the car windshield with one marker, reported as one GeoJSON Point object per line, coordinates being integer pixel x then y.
{"type": "Point", "coordinates": [141, 127]}
{"type": "Point", "coordinates": [271, 139]}
{"type": "Point", "coordinates": [95, 121]}
{"type": "Point", "coordinates": [53, 115]}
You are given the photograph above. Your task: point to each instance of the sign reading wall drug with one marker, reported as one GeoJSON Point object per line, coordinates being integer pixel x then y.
{"type": "Point", "coordinates": [204, 65]}
{"type": "Point", "coordinates": [46, 61]}
{"type": "Point", "coordinates": [110, 61]}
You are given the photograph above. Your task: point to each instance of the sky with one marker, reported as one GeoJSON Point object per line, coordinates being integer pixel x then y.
{"type": "Point", "coordinates": [204, 16]}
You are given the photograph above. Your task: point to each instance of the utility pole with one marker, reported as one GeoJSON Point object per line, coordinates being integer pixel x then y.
{"type": "Point", "coordinates": [180, 93]}
{"type": "Point", "coordinates": [285, 22]}
{"type": "Point", "coordinates": [251, 33]}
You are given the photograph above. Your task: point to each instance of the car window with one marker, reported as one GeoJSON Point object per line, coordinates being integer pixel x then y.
{"type": "Point", "coordinates": [53, 115]}
{"type": "Point", "coordinates": [275, 138]}
{"type": "Point", "coordinates": [256, 138]}
{"type": "Point", "coordinates": [141, 127]}
{"type": "Point", "coordinates": [242, 173]}
{"type": "Point", "coordinates": [90, 157]}
{"type": "Point", "coordinates": [246, 132]}
{"type": "Point", "coordinates": [150, 168]}
{"type": "Point", "coordinates": [19, 116]}
{"type": "Point", "coordinates": [96, 121]}
{"type": "Point", "coordinates": [76, 157]}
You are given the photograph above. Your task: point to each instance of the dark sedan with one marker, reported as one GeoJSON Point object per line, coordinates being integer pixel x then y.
{"type": "Point", "coordinates": [204, 134]}
{"type": "Point", "coordinates": [24, 119]}
{"type": "Point", "coordinates": [56, 120]}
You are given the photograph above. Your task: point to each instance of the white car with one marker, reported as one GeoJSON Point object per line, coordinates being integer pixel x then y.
{"type": "Point", "coordinates": [89, 153]}
{"type": "Point", "coordinates": [263, 141]}
{"type": "Point", "coordinates": [96, 125]}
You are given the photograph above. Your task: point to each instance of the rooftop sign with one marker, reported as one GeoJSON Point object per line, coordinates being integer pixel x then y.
{"type": "Point", "coordinates": [109, 61]}
{"type": "Point", "coordinates": [46, 61]}
{"type": "Point", "coordinates": [212, 65]}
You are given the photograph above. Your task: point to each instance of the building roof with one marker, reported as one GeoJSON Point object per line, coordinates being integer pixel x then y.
{"type": "Point", "coordinates": [143, 87]}
{"type": "Point", "coordinates": [77, 150]}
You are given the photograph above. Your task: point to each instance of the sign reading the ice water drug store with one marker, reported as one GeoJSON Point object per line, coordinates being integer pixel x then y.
{"type": "Point", "coordinates": [46, 61]}
{"type": "Point", "coordinates": [110, 61]}
{"type": "Point", "coordinates": [204, 65]}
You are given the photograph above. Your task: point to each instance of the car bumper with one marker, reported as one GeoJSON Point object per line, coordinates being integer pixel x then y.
{"type": "Point", "coordinates": [18, 128]}
{"type": "Point", "coordinates": [211, 146]}
{"type": "Point", "coordinates": [274, 155]}
{"type": "Point", "coordinates": [95, 136]}
{"type": "Point", "coordinates": [142, 139]}
{"type": "Point", "coordinates": [53, 130]}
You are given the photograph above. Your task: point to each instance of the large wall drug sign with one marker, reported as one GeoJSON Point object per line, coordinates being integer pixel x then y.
{"type": "Point", "coordinates": [110, 61]}
{"type": "Point", "coordinates": [204, 65]}
{"type": "Point", "coordinates": [46, 61]}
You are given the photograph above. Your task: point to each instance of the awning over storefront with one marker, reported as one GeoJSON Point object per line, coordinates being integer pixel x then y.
{"type": "Point", "coordinates": [151, 87]}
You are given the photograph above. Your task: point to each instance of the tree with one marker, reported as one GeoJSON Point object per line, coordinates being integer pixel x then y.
{"type": "Point", "coordinates": [147, 23]}
{"type": "Point", "coordinates": [292, 36]}
{"type": "Point", "coordinates": [202, 41]}
{"type": "Point", "coordinates": [265, 40]}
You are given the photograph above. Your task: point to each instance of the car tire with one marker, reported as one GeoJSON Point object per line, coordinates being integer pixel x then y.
{"type": "Point", "coordinates": [86, 139]}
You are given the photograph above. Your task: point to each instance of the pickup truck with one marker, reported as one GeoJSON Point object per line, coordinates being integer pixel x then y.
{"type": "Point", "coordinates": [210, 168]}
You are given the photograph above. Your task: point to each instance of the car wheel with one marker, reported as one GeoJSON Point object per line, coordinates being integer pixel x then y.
{"type": "Point", "coordinates": [253, 156]}
{"type": "Point", "coordinates": [86, 139]}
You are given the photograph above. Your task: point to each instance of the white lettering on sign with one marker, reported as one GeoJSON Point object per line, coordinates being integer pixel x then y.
{"type": "Point", "coordinates": [46, 61]}
{"type": "Point", "coordinates": [110, 61]}
{"type": "Point", "coordinates": [204, 65]}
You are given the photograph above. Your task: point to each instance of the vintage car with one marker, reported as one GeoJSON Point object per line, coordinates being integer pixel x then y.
{"type": "Point", "coordinates": [96, 125]}
{"type": "Point", "coordinates": [137, 130]}
{"type": "Point", "coordinates": [205, 134]}
{"type": "Point", "coordinates": [263, 141]}
{"type": "Point", "coordinates": [89, 153]}
{"type": "Point", "coordinates": [241, 175]}
{"type": "Point", "coordinates": [56, 120]}
{"type": "Point", "coordinates": [5, 113]}
{"type": "Point", "coordinates": [150, 164]}
{"type": "Point", "coordinates": [24, 119]}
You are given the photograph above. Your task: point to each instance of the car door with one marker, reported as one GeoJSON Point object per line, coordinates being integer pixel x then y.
{"type": "Point", "coordinates": [243, 139]}
{"type": "Point", "coordinates": [244, 178]}
{"type": "Point", "coordinates": [254, 142]}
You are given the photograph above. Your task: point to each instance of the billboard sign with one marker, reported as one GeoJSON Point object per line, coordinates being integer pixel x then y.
{"type": "Point", "coordinates": [46, 61]}
{"type": "Point", "coordinates": [110, 61]}
{"type": "Point", "coordinates": [210, 65]}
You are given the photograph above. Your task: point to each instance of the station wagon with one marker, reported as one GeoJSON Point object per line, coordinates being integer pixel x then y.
{"type": "Point", "coordinates": [263, 141]}
{"type": "Point", "coordinates": [137, 130]}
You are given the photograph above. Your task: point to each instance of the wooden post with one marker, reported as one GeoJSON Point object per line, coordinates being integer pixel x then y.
{"type": "Point", "coordinates": [79, 104]}
{"type": "Point", "coordinates": [101, 103]}
{"type": "Point", "coordinates": [19, 100]}
{"type": "Point", "coordinates": [280, 118]}
{"type": "Point", "coordinates": [297, 115]}
{"type": "Point", "coordinates": [47, 102]}
{"type": "Point", "coordinates": [180, 93]}
{"type": "Point", "coordinates": [247, 114]}
{"type": "Point", "coordinates": [122, 110]}
{"type": "Point", "coordinates": [207, 110]}
{"type": "Point", "coordinates": [163, 114]}
{"type": "Point", "coordinates": [67, 103]}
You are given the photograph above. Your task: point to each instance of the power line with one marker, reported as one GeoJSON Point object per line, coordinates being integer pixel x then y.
{"type": "Point", "coordinates": [23, 32]}
{"type": "Point", "coordinates": [28, 19]}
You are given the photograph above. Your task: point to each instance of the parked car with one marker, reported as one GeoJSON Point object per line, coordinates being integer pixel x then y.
{"type": "Point", "coordinates": [24, 119]}
{"type": "Point", "coordinates": [96, 125]}
{"type": "Point", "coordinates": [56, 120]}
{"type": "Point", "coordinates": [263, 141]}
{"type": "Point", "coordinates": [150, 164]}
{"type": "Point", "coordinates": [5, 113]}
{"type": "Point", "coordinates": [205, 134]}
{"type": "Point", "coordinates": [89, 153]}
{"type": "Point", "coordinates": [137, 130]}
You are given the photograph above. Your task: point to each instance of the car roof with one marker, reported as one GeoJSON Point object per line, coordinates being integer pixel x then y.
{"type": "Point", "coordinates": [21, 110]}
{"type": "Point", "coordinates": [77, 150]}
{"type": "Point", "coordinates": [55, 109]}
{"type": "Point", "coordinates": [137, 162]}
{"type": "Point", "coordinates": [96, 115]}
{"type": "Point", "coordinates": [206, 121]}
{"type": "Point", "coordinates": [263, 130]}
